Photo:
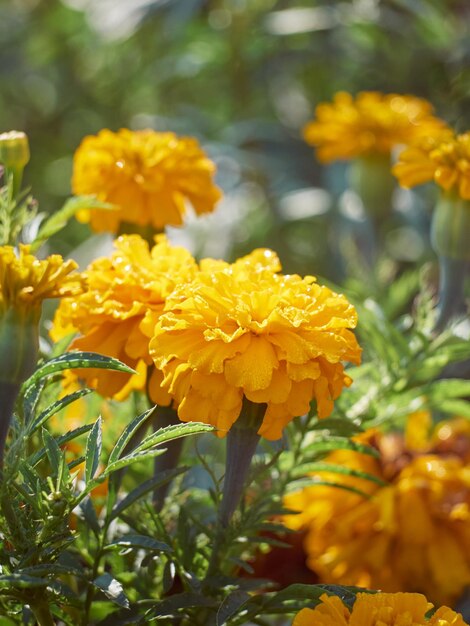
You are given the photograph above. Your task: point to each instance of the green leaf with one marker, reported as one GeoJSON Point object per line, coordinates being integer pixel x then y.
{"type": "Point", "coordinates": [112, 589]}
{"type": "Point", "coordinates": [57, 406]}
{"type": "Point", "coordinates": [93, 451]}
{"type": "Point", "coordinates": [314, 482]}
{"type": "Point", "coordinates": [231, 605]}
{"type": "Point", "coordinates": [60, 218]}
{"type": "Point", "coordinates": [54, 453]}
{"type": "Point", "coordinates": [127, 434]}
{"type": "Point", "coordinates": [134, 457]}
{"type": "Point", "coordinates": [175, 431]}
{"type": "Point", "coordinates": [63, 439]}
{"type": "Point", "coordinates": [141, 542]}
{"type": "Point", "coordinates": [76, 360]}
{"type": "Point", "coordinates": [339, 443]}
{"type": "Point", "coordinates": [22, 581]}
{"type": "Point", "coordinates": [149, 485]}
{"type": "Point", "coordinates": [170, 606]}
{"type": "Point", "coordinates": [454, 407]}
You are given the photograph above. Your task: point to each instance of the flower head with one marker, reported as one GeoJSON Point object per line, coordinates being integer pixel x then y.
{"type": "Point", "coordinates": [369, 124]}
{"type": "Point", "coordinates": [443, 158]}
{"type": "Point", "coordinates": [26, 281]}
{"type": "Point", "coordinates": [379, 609]}
{"type": "Point", "coordinates": [244, 330]}
{"type": "Point", "coordinates": [410, 534]}
{"type": "Point", "coordinates": [122, 293]}
{"type": "Point", "coordinates": [148, 176]}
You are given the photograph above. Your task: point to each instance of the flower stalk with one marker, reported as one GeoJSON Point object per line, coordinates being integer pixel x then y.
{"type": "Point", "coordinates": [165, 416]}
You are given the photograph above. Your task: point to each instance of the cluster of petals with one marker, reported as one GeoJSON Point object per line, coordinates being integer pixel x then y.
{"type": "Point", "coordinates": [370, 123]}
{"type": "Point", "coordinates": [149, 176]}
{"type": "Point", "coordinates": [123, 292]}
{"type": "Point", "coordinates": [377, 609]}
{"type": "Point", "coordinates": [411, 533]}
{"type": "Point", "coordinates": [25, 281]}
{"type": "Point", "coordinates": [243, 330]}
{"type": "Point", "coordinates": [443, 158]}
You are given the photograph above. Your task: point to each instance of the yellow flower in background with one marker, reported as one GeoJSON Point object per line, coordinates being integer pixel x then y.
{"type": "Point", "coordinates": [379, 609]}
{"type": "Point", "coordinates": [122, 292]}
{"type": "Point", "coordinates": [243, 330]}
{"type": "Point", "coordinates": [444, 159]}
{"type": "Point", "coordinates": [413, 534]}
{"type": "Point", "coordinates": [25, 281]}
{"type": "Point", "coordinates": [149, 176]}
{"type": "Point", "coordinates": [370, 123]}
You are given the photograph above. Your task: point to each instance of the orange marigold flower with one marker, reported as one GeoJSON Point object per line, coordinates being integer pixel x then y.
{"type": "Point", "coordinates": [443, 158]}
{"type": "Point", "coordinates": [369, 124]}
{"type": "Point", "coordinates": [379, 609]}
{"type": "Point", "coordinates": [26, 281]}
{"type": "Point", "coordinates": [122, 293]}
{"type": "Point", "coordinates": [243, 330]}
{"type": "Point", "coordinates": [148, 176]}
{"type": "Point", "coordinates": [411, 534]}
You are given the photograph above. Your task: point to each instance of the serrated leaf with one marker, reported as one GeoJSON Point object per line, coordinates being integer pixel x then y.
{"type": "Point", "coordinates": [127, 434]}
{"type": "Point", "coordinates": [59, 219]}
{"type": "Point", "coordinates": [175, 431]}
{"type": "Point", "coordinates": [56, 407]}
{"type": "Point", "coordinates": [314, 482]}
{"type": "Point", "coordinates": [340, 443]}
{"type": "Point", "coordinates": [22, 581]}
{"type": "Point", "coordinates": [63, 439]}
{"type": "Point", "coordinates": [52, 450]}
{"type": "Point", "coordinates": [112, 589]}
{"type": "Point", "coordinates": [231, 605]}
{"type": "Point", "coordinates": [134, 457]}
{"type": "Point", "coordinates": [93, 451]}
{"type": "Point", "coordinates": [76, 360]}
{"type": "Point", "coordinates": [144, 488]}
{"type": "Point", "coordinates": [141, 542]}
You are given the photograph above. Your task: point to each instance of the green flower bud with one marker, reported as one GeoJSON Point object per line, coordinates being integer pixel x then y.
{"type": "Point", "coordinates": [14, 149]}
{"type": "Point", "coordinates": [450, 228]}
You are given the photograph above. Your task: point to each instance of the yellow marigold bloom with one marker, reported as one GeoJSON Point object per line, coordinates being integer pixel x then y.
{"type": "Point", "coordinates": [371, 123]}
{"type": "Point", "coordinates": [412, 534]}
{"type": "Point", "coordinates": [444, 159]}
{"type": "Point", "coordinates": [25, 281]}
{"type": "Point", "coordinates": [122, 293]}
{"type": "Point", "coordinates": [379, 609]}
{"type": "Point", "coordinates": [149, 176]}
{"type": "Point", "coordinates": [243, 330]}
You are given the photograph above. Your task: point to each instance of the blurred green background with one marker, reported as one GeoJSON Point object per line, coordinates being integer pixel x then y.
{"type": "Point", "coordinates": [243, 76]}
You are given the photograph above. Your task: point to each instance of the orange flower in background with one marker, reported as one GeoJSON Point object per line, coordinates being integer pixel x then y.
{"type": "Point", "coordinates": [412, 534]}
{"type": "Point", "coordinates": [149, 176]}
{"type": "Point", "coordinates": [370, 123]}
{"type": "Point", "coordinates": [379, 609]}
{"type": "Point", "coordinates": [243, 330]}
{"type": "Point", "coordinates": [122, 292]}
{"type": "Point", "coordinates": [444, 159]}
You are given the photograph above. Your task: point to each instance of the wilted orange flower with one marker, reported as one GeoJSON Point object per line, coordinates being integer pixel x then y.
{"type": "Point", "coordinates": [412, 534]}
{"type": "Point", "coordinates": [369, 124]}
{"type": "Point", "coordinates": [26, 281]}
{"type": "Point", "coordinates": [149, 176]}
{"type": "Point", "coordinates": [243, 330]}
{"type": "Point", "coordinates": [443, 158]}
{"type": "Point", "coordinates": [122, 292]}
{"type": "Point", "coordinates": [378, 609]}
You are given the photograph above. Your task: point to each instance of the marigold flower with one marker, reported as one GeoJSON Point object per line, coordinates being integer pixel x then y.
{"type": "Point", "coordinates": [371, 123]}
{"type": "Point", "coordinates": [412, 534]}
{"type": "Point", "coordinates": [379, 609]}
{"type": "Point", "coordinates": [148, 176]}
{"type": "Point", "coordinates": [26, 281]}
{"type": "Point", "coordinates": [243, 330]}
{"type": "Point", "coordinates": [124, 292]}
{"type": "Point", "coordinates": [443, 158]}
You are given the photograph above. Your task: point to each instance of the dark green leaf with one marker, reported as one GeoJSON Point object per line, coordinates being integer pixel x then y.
{"type": "Point", "coordinates": [140, 542]}
{"type": "Point", "coordinates": [93, 451]}
{"type": "Point", "coordinates": [112, 589]}
{"type": "Point", "coordinates": [231, 605]}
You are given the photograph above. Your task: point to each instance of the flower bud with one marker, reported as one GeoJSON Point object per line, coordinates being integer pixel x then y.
{"type": "Point", "coordinates": [14, 149]}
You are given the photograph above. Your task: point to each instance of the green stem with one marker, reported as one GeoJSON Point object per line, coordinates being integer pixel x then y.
{"type": "Point", "coordinates": [42, 613]}
{"type": "Point", "coordinates": [165, 416]}
{"type": "Point", "coordinates": [451, 290]}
